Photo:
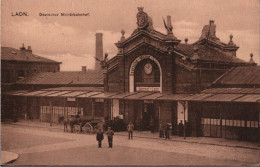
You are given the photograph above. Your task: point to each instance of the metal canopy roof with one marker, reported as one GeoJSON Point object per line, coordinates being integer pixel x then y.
{"type": "Point", "coordinates": [34, 93]}
{"type": "Point", "coordinates": [232, 90]}
{"type": "Point", "coordinates": [17, 93]}
{"type": "Point", "coordinates": [122, 95]}
{"type": "Point", "coordinates": [249, 98]}
{"type": "Point", "coordinates": [223, 97]}
{"type": "Point", "coordinates": [152, 96]}
{"type": "Point", "coordinates": [173, 97]}
{"type": "Point", "coordinates": [197, 97]}
{"type": "Point", "coordinates": [104, 95]}
{"type": "Point", "coordinates": [73, 94]}
{"type": "Point", "coordinates": [138, 95]}
{"type": "Point", "coordinates": [48, 93]}
{"type": "Point", "coordinates": [89, 94]}
{"type": "Point", "coordinates": [59, 93]}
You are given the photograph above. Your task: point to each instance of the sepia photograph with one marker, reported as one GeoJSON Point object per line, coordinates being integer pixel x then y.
{"type": "Point", "coordinates": [136, 82]}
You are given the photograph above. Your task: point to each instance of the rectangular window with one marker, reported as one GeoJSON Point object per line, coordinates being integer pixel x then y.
{"type": "Point", "coordinates": [242, 123]}
{"type": "Point", "coordinates": [248, 124]}
{"type": "Point", "coordinates": [223, 122]}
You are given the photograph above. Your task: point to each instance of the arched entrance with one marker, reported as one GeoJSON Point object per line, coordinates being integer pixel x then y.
{"type": "Point", "coordinates": [148, 67]}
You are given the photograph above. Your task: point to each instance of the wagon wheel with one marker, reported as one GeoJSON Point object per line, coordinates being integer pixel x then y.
{"type": "Point", "coordinates": [88, 128]}
{"type": "Point", "coordinates": [77, 128]}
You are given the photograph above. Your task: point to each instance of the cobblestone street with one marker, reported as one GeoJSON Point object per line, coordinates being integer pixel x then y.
{"type": "Point", "coordinates": [41, 146]}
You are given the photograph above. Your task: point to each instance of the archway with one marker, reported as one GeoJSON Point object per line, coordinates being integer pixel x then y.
{"type": "Point", "coordinates": [133, 67]}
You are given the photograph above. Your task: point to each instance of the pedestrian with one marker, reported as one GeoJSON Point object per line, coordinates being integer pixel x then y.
{"type": "Point", "coordinates": [110, 134]}
{"type": "Point", "coordinates": [152, 125]}
{"type": "Point", "coordinates": [65, 123]}
{"type": "Point", "coordinates": [181, 126]}
{"type": "Point", "coordinates": [130, 128]}
{"type": "Point", "coordinates": [100, 137]}
{"type": "Point", "coordinates": [161, 135]}
{"type": "Point", "coordinates": [167, 130]}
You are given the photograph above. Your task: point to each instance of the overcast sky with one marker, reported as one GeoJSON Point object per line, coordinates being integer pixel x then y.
{"type": "Point", "coordinates": [71, 40]}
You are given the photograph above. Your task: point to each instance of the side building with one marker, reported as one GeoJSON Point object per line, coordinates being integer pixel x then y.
{"type": "Point", "coordinates": [19, 64]}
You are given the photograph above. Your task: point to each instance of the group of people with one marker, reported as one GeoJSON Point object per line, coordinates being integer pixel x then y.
{"type": "Point", "coordinates": [100, 137]}
{"type": "Point", "coordinates": [110, 133]}
{"type": "Point", "coordinates": [164, 130]}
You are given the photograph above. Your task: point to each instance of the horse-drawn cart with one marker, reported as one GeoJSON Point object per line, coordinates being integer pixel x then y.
{"type": "Point", "coordinates": [86, 126]}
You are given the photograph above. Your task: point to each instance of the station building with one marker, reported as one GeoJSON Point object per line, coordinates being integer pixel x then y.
{"type": "Point", "coordinates": [153, 78]}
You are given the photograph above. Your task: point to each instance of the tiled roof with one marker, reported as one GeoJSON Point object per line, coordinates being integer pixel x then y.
{"type": "Point", "coordinates": [207, 53]}
{"type": "Point", "coordinates": [243, 75]}
{"type": "Point", "coordinates": [65, 78]}
{"type": "Point", "coordinates": [11, 54]}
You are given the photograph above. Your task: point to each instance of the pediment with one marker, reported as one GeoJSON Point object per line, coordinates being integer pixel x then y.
{"type": "Point", "coordinates": [154, 39]}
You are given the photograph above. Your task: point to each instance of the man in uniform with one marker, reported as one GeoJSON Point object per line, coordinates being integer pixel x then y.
{"type": "Point", "coordinates": [110, 134]}
{"type": "Point", "coordinates": [100, 137]}
{"type": "Point", "coordinates": [130, 128]}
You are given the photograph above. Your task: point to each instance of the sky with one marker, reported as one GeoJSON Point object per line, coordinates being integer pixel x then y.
{"type": "Point", "coordinates": [71, 39]}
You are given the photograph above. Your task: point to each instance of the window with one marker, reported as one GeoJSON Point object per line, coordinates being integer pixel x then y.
{"type": "Point", "coordinates": [20, 73]}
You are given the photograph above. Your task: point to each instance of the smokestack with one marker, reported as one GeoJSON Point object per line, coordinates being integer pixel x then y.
{"type": "Point", "coordinates": [84, 68]}
{"type": "Point", "coordinates": [99, 50]}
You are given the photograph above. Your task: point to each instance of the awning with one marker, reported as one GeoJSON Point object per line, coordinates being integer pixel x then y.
{"type": "Point", "coordinates": [17, 93]}
{"type": "Point", "coordinates": [138, 95]}
{"type": "Point", "coordinates": [151, 96]}
{"type": "Point", "coordinates": [47, 93]}
{"type": "Point", "coordinates": [34, 93]}
{"type": "Point", "coordinates": [232, 90]}
{"type": "Point", "coordinates": [89, 94]}
{"type": "Point", "coordinates": [197, 97]}
{"type": "Point", "coordinates": [223, 97]}
{"type": "Point", "coordinates": [104, 95]}
{"type": "Point", "coordinates": [58, 93]}
{"type": "Point", "coordinates": [122, 95]}
{"type": "Point", "coordinates": [73, 94]}
{"type": "Point", "coordinates": [249, 98]}
{"type": "Point", "coordinates": [173, 97]}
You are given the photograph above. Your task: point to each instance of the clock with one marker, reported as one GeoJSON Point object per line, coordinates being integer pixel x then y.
{"type": "Point", "coordinates": [148, 68]}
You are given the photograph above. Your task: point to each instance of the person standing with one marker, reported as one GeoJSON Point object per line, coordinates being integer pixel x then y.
{"type": "Point", "coordinates": [100, 137]}
{"type": "Point", "coordinates": [65, 124]}
{"type": "Point", "coordinates": [110, 134]}
{"type": "Point", "coordinates": [161, 135]}
{"type": "Point", "coordinates": [181, 127]}
{"type": "Point", "coordinates": [167, 129]}
{"type": "Point", "coordinates": [130, 128]}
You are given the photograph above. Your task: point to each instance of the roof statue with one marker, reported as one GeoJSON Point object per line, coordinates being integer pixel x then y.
{"type": "Point", "coordinates": [168, 27]}
{"type": "Point", "coordinates": [209, 31]}
{"type": "Point", "coordinates": [103, 62]}
{"type": "Point", "coordinates": [142, 18]}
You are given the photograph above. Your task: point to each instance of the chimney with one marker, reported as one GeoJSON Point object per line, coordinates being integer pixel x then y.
{"type": "Point", "coordinates": [84, 69]}
{"type": "Point", "coordinates": [186, 40]}
{"type": "Point", "coordinates": [22, 48]}
{"type": "Point", "coordinates": [29, 49]}
{"type": "Point", "coordinates": [99, 50]}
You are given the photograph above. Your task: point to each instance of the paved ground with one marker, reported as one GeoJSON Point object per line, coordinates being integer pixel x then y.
{"type": "Point", "coordinates": [39, 146]}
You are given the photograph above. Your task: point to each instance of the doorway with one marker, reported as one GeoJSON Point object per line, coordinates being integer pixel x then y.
{"type": "Point", "coordinates": [148, 116]}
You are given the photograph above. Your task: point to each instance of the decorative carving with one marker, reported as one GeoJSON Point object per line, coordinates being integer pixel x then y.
{"type": "Point", "coordinates": [142, 18]}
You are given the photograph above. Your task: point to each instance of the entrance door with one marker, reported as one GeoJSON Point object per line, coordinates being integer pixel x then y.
{"type": "Point", "coordinates": [148, 116]}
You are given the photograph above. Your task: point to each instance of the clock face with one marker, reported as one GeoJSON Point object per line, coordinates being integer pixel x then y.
{"type": "Point", "coordinates": [148, 68]}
